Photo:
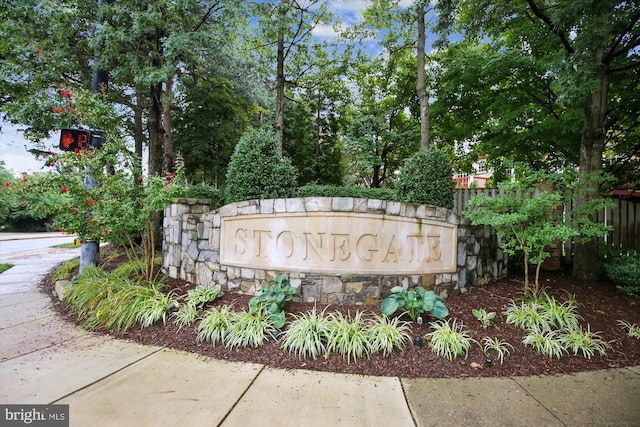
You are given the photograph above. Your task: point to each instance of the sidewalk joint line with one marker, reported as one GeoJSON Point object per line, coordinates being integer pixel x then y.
{"type": "Point", "coordinates": [536, 399]}
{"type": "Point", "coordinates": [107, 376]}
{"type": "Point", "coordinates": [235, 404]}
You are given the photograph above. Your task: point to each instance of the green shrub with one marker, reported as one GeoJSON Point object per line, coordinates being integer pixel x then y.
{"type": "Point", "coordinates": [426, 178]}
{"type": "Point", "coordinates": [313, 190]}
{"type": "Point", "coordinates": [624, 271]}
{"type": "Point", "coordinates": [257, 170]}
{"type": "Point", "coordinates": [203, 191]}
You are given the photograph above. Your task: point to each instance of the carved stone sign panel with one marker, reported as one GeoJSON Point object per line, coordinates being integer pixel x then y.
{"type": "Point", "coordinates": [338, 243]}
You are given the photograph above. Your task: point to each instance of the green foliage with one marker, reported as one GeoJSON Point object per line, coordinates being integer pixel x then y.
{"type": "Point", "coordinates": [426, 178]}
{"type": "Point", "coordinates": [348, 336]}
{"type": "Point", "coordinates": [484, 317]}
{"type": "Point", "coordinates": [215, 324]}
{"type": "Point", "coordinates": [527, 315]}
{"type": "Point", "coordinates": [249, 328]}
{"type": "Point", "coordinates": [545, 341]}
{"type": "Point", "coordinates": [4, 267]}
{"type": "Point", "coordinates": [501, 348]}
{"type": "Point", "coordinates": [257, 170]}
{"type": "Point", "coordinates": [544, 313]}
{"type": "Point", "coordinates": [106, 300]}
{"type": "Point", "coordinates": [561, 316]}
{"type": "Point", "coordinates": [272, 299]}
{"type": "Point", "coordinates": [633, 330]}
{"type": "Point", "coordinates": [202, 191]}
{"type": "Point", "coordinates": [375, 144]}
{"type": "Point", "coordinates": [313, 190]}
{"type": "Point", "coordinates": [185, 316]}
{"type": "Point", "coordinates": [527, 219]}
{"type": "Point", "coordinates": [65, 270]}
{"type": "Point", "coordinates": [202, 294]}
{"type": "Point", "coordinates": [586, 342]}
{"type": "Point", "coordinates": [414, 302]}
{"type": "Point", "coordinates": [624, 270]}
{"type": "Point", "coordinates": [449, 340]}
{"type": "Point", "coordinates": [386, 334]}
{"type": "Point", "coordinates": [307, 334]}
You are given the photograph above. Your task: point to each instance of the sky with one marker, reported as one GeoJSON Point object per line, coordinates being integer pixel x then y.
{"type": "Point", "coordinates": [13, 150]}
{"type": "Point", "coordinates": [13, 146]}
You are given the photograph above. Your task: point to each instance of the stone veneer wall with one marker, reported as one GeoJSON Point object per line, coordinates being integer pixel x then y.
{"type": "Point", "coordinates": [191, 250]}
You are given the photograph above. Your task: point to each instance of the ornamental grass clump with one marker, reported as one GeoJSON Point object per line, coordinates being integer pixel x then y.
{"type": "Point", "coordinates": [185, 316]}
{"type": "Point", "coordinates": [105, 300]}
{"type": "Point", "coordinates": [347, 336]}
{"type": "Point", "coordinates": [527, 315]}
{"type": "Point", "coordinates": [249, 329]}
{"type": "Point", "coordinates": [214, 325]}
{"type": "Point", "coordinates": [202, 294]}
{"type": "Point", "coordinates": [307, 334]}
{"type": "Point", "coordinates": [449, 340]}
{"type": "Point", "coordinates": [545, 341]}
{"type": "Point", "coordinates": [633, 330]}
{"type": "Point", "coordinates": [386, 334]}
{"type": "Point", "coordinates": [586, 342]}
{"type": "Point", "coordinates": [497, 346]}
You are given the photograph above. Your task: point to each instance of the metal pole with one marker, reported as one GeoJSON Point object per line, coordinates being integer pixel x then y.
{"type": "Point", "coordinates": [90, 249]}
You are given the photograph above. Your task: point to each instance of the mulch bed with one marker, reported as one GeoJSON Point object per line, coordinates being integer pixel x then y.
{"type": "Point", "coordinates": [601, 306]}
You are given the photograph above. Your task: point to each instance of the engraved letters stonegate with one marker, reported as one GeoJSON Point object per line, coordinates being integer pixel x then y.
{"type": "Point", "coordinates": [338, 243]}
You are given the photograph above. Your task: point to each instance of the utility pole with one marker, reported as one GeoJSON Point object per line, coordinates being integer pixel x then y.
{"type": "Point", "coordinates": [90, 249]}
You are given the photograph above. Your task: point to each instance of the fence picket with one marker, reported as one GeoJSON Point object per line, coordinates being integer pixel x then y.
{"type": "Point", "coordinates": [624, 217]}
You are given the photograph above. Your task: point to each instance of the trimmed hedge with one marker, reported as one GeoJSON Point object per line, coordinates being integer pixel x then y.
{"type": "Point", "coordinates": [426, 178]}
{"type": "Point", "coordinates": [314, 190]}
{"type": "Point", "coordinates": [256, 169]}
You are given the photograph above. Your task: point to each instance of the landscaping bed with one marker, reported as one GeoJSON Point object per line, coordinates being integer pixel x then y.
{"type": "Point", "coordinates": [600, 306]}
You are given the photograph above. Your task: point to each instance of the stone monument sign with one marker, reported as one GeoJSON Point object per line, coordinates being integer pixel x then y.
{"type": "Point", "coordinates": [338, 243]}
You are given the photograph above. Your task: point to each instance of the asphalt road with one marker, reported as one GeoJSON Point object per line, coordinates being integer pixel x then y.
{"type": "Point", "coordinates": [11, 243]}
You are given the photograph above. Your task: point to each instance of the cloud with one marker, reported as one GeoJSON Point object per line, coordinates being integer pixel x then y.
{"type": "Point", "coordinates": [324, 31]}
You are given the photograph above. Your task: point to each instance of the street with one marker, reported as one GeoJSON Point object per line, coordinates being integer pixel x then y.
{"type": "Point", "coordinates": [11, 243]}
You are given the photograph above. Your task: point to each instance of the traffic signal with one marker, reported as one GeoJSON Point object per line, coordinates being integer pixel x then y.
{"type": "Point", "coordinates": [80, 139]}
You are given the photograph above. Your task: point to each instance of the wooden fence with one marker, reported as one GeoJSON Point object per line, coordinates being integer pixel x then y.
{"type": "Point", "coordinates": [624, 217]}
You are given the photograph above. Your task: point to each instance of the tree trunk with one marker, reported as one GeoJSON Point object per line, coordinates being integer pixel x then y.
{"type": "Point", "coordinates": [421, 90]}
{"type": "Point", "coordinates": [585, 258]}
{"type": "Point", "coordinates": [167, 126]}
{"type": "Point", "coordinates": [155, 131]}
{"type": "Point", "coordinates": [138, 132]}
{"type": "Point", "coordinates": [279, 126]}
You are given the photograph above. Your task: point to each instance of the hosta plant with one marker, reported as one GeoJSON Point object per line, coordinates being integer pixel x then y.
{"type": "Point", "coordinates": [484, 317]}
{"type": "Point", "coordinates": [449, 340]}
{"type": "Point", "coordinates": [414, 302]}
{"type": "Point", "coordinates": [385, 334]}
{"type": "Point", "coordinates": [585, 342]}
{"type": "Point", "coordinates": [497, 346]}
{"type": "Point", "coordinates": [272, 299]}
{"type": "Point", "coordinates": [347, 336]}
{"type": "Point", "coordinates": [307, 334]}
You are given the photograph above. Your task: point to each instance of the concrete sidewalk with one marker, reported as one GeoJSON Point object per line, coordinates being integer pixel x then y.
{"type": "Point", "coordinates": [110, 382]}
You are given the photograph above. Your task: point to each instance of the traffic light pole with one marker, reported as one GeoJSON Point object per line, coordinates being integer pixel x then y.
{"type": "Point", "coordinates": [90, 249]}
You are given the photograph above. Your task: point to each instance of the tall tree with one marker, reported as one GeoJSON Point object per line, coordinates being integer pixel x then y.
{"type": "Point", "coordinates": [591, 41]}
{"type": "Point", "coordinates": [288, 25]}
{"type": "Point", "coordinates": [405, 28]}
